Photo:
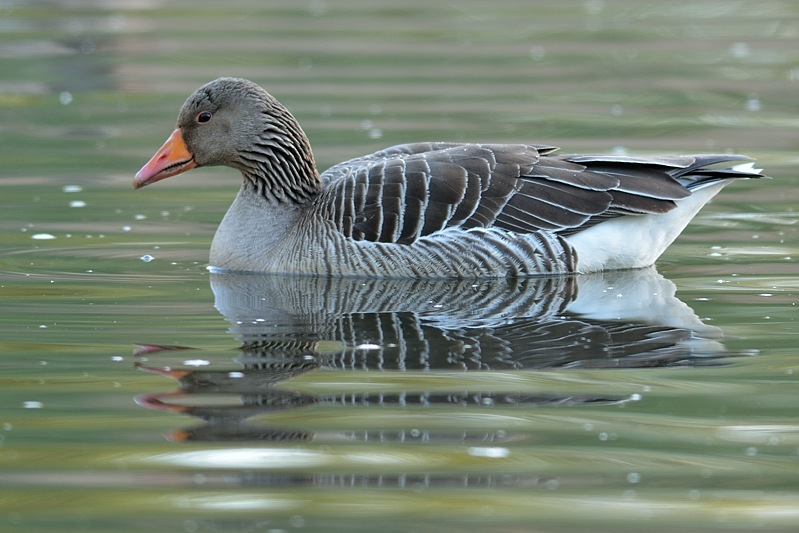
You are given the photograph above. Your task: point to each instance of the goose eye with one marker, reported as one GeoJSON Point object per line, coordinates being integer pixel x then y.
{"type": "Point", "coordinates": [203, 117]}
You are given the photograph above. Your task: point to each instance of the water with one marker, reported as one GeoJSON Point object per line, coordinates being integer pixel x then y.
{"type": "Point", "coordinates": [137, 390]}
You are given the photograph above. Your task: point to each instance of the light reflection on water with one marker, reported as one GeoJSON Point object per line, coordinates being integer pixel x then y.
{"type": "Point", "coordinates": [561, 404]}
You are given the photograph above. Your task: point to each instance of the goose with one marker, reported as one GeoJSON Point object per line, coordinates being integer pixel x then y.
{"type": "Point", "coordinates": [429, 209]}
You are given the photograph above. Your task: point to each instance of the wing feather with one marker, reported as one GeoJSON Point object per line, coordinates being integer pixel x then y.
{"type": "Point", "coordinates": [409, 191]}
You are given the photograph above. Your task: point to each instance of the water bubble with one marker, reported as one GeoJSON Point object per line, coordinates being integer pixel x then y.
{"type": "Point", "coordinates": [493, 452]}
{"type": "Point", "coordinates": [77, 203]}
{"type": "Point", "coordinates": [65, 97]}
{"type": "Point", "coordinates": [196, 362]}
{"type": "Point", "coordinates": [31, 404]}
{"type": "Point", "coordinates": [72, 188]}
{"type": "Point", "coordinates": [368, 346]}
{"type": "Point", "coordinates": [147, 258]}
{"type": "Point", "coordinates": [740, 50]}
{"type": "Point", "coordinates": [42, 236]}
{"type": "Point", "coordinates": [753, 103]}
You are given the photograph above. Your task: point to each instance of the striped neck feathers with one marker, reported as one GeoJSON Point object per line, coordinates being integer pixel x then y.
{"type": "Point", "coordinates": [278, 163]}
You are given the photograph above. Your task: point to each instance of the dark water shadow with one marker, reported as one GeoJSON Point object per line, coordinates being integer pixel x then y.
{"type": "Point", "coordinates": [290, 326]}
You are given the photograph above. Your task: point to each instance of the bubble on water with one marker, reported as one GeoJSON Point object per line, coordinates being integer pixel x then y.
{"type": "Point", "coordinates": [633, 477]}
{"type": "Point", "coordinates": [740, 50]}
{"type": "Point", "coordinates": [493, 452]}
{"type": "Point", "coordinates": [32, 404]}
{"type": "Point", "coordinates": [77, 203]}
{"type": "Point", "coordinates": [367, 346]}
{"type": "Point", "coordinates": [42, 236]}
{"type": "Point", "coordinates": [147, 258]}
{"type": "Point", "coordinates": [72, 188]}
{"type": "Point", "coordinates": [65, 97]}
{"type": "Point", "coordinates": [139, 216]}
{"type": "Point", "coordinates": [196, 362]}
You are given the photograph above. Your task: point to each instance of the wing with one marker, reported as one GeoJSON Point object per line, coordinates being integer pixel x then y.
{"type": "Point", "coordinates": [406, 192]}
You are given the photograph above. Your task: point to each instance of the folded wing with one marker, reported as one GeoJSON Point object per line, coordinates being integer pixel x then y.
{"type": "Point", "coordinates": [406, 192]}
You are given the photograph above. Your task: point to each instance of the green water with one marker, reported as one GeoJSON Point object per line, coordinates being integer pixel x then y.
{"type": "Point", "coordinates": [140, 392]}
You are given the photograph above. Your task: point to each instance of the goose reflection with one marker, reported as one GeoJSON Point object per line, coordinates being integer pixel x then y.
{"type": "Point", "coordinates": [288, 326]}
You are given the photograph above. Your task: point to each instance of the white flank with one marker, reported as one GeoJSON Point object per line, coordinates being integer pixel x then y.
{"type": "Point", "coordinates": [637, 241]}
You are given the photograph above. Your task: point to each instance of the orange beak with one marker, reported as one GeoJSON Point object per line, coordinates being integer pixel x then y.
{"type": "Point", "coordinates": [171, 159]}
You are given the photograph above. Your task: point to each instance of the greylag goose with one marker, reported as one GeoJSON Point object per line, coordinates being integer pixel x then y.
{"type": "Point", "coordinates": [429, 209]}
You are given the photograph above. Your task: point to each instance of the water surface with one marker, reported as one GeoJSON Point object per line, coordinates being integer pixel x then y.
{"type": "Point", "coordinates": [138, 390]}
